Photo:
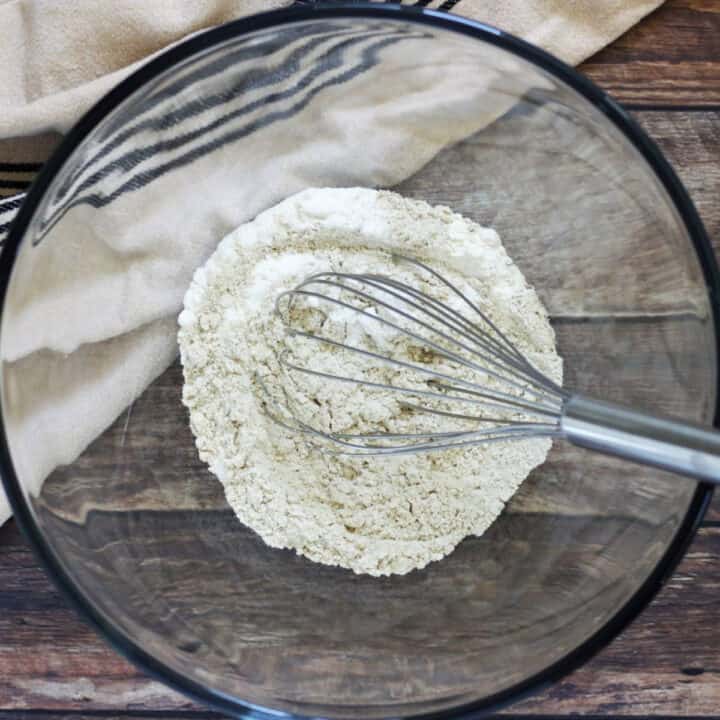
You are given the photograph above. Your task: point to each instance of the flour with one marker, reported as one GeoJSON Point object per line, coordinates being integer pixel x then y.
{"type": "Point", "coordinates": [376, 515]}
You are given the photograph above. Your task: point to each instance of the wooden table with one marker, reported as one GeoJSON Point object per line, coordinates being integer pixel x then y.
{"type": "Point", "coordinates": [667, 72]}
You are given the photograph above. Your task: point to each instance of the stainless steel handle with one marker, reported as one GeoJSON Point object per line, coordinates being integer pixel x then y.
{"type": "Point", "coordinates": [665, 443]}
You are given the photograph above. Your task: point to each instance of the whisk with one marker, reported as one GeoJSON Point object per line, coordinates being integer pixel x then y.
{"type": "Point", "coordinates": [484, 383]}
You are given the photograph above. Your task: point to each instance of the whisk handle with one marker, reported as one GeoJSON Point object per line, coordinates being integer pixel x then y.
{"type": "Point", "coordinates": [661, 442]}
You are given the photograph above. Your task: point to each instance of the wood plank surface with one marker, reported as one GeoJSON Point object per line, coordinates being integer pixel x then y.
{"type": "Point", "coordinates": [109, 715]}
{"type": "Point", "coordinates": [691, 142]}
{"type": "Point", "coordinates": [666, 663]}
{"type": "Point", "coordinates": [671, 58]}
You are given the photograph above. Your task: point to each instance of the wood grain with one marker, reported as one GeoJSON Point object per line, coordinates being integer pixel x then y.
{"type": "Point", "coordinates": [671, 58]}
{"type": "Point", "coordinates": [691, 142]}
{"type": "Point", "coordinates": [38, 714]}
{"type": "Point", "coordinates": [666, 663]}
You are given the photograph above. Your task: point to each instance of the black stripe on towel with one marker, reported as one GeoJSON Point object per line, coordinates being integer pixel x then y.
{"type": "Point", "coordinates": [14, 184]}
{"type": "Point", "coordinates": [19, 167]}
{"type": "Point", "coordinates": [170, 118]}
{"type": "Point", "coordinates": [12, 203]}
{"type": "Point", "coordinates": [89, 194]}
{"type": "Point", "coordinates": [8, 210]}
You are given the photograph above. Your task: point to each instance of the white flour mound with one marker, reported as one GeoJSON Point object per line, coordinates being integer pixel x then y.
{"type": "Point", "coordinates": [376, 515]}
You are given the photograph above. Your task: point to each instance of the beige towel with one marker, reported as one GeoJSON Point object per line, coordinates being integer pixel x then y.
{"type": "Point", "coordinates": [58, 58]}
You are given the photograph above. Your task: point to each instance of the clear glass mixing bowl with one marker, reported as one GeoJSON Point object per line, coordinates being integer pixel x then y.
{"type": "Point", "coordinates": [202, 138]}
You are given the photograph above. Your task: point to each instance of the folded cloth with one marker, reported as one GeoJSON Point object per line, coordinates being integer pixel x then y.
{"type": "Point", "coordinates": [62, 56]}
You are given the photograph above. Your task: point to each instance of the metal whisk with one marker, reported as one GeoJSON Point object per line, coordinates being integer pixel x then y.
{"type": "Point", "coordinates": [482, 383]}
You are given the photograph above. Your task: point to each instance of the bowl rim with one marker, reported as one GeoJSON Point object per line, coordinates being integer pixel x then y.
{"type": "Point", "coordinates": [301, 11]}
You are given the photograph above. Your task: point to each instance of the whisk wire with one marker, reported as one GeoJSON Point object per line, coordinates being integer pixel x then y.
{"type": "Point", "coordinates": [523, 370]}
{"type": "Point", "coordinates": [447, 316]}
{"type": "Point", "coordinates": [469, 387]}
{"type": "Point", "coordinates": [540, 377]}
{"type": "Point", "coordinates": [539, 394]}
{"type": "Point", "coordinates": [426, 442]}
{"type": "Point", "coordinates": [527, 404]}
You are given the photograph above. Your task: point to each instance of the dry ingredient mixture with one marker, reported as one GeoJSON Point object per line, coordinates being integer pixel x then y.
{"type": "Point", "coordinates": [375, 515]}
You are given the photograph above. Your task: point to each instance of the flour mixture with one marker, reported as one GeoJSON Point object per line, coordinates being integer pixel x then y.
{"type": "Point", "coordinates": [375, 515]}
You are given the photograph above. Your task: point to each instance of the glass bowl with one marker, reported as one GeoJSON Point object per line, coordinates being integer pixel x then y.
{"type": "Point", "coordinates": [130, 523]}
